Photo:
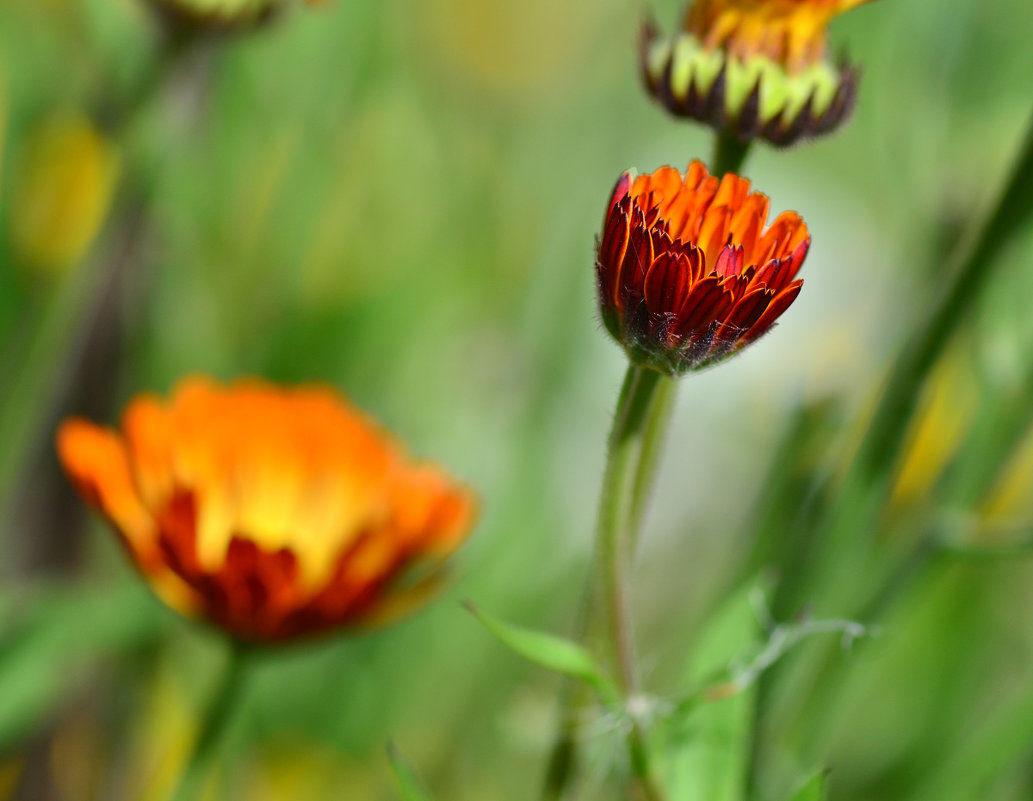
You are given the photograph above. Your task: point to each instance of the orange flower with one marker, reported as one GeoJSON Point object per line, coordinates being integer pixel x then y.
{"type": "Point", "coordinates": [753, 68]}
{"type": "Point", "coordinates": [686, 272]}
{"type": "Point", "coordinates": [789, 32]}
{"type": "Point", "coordinates": [271, 512]}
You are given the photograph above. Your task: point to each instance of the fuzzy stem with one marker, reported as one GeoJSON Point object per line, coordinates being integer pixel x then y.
{"type": "Point", "coordinates": [658, 425]}
{"type": "Point", "coordinates": [630, 425]}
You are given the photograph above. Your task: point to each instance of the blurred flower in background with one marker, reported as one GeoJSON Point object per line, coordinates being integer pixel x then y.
{"type": "Point", "coordinates": [62, 185]}
{"type": "Point", "coordinates": [687, 274]}
{"type": "Point", "coordinates": [755, 69]}
{"type": "Point", "coordinates": [220, 14]}
{"type": "Point", "coordinates": [271, 512]}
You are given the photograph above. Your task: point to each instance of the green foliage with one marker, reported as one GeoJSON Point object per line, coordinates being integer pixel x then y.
{"type": "Point", "coordinates": [406, 780]}
{"type": "Point", "coordinates": [708, 748]}
{"type": "Point", "coordinates": [814, 789]}
{"type": "Point", "coordinates": [400, 199]}
{"type": "Point", "coordinates": [553, 653]}
{"type": "Point", "coordinates": [65, 636]}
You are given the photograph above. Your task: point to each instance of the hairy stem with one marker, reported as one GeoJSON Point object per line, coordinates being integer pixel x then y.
{"type": "Point", "coordinates": [630, 425]}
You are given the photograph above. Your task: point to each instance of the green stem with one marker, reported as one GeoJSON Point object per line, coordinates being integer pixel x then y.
{"type": "Point", "coordinates": [658, 425]}
{"type": "Point", "coordinates": [654, 418]}
{"type": "Point", "coordinates": [630, 425]}
{"type": "Point", "coordinates": [225, 703]}
{"type": "Point", "coordinates": [729, 153]}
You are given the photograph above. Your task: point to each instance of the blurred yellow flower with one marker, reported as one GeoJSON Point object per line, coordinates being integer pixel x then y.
{"type": "Point", "coordinates": [272, 512]}
{"type": "Point", "coordinates": [942, 421]}
{"type": "Point", "coordinates": [1010, 500]}
{"type": "Point", "coordinates": [943, 418]}
{"type": "Point", "coordinates": [61, 191]}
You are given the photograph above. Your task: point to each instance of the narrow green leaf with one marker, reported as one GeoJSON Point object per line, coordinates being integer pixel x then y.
{"type": "Point", "coordinates": [550, 652]}
{"type": "Point", "coordinates": [814, 789]}
{"type": "Point", "coordinates": [406, 780]}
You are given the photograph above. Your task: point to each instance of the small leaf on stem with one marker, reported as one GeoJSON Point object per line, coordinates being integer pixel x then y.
{"type": "Point", "coordinates": [550, 652]}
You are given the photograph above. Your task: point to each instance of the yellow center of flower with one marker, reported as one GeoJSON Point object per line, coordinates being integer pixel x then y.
{"type": "Point", "coordinates": [790, 32]}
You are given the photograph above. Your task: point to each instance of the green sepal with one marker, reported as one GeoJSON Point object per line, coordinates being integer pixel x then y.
{"type": "Point", "coordinates": [782, 94]}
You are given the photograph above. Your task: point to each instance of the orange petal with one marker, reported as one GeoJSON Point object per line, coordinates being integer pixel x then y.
{"type": "Point", "coordinates": [96, 460]}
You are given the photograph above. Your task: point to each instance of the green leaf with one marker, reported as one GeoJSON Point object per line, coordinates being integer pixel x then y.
{"type": "Point", "coordinates": [707, 747]}
{"type": "Point", "coordinates": [814, 789]}
{"type": "Point", "coordinates": [406, 780]}
{"type": "Point", "coordinates": [550, 652]}
{"type": "Point", "coordinates": [61, 637]}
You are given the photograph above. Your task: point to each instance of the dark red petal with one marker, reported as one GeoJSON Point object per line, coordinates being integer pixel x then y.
{"type": "Point", "coordinates": [782, 301]}
{"type": "Point", "coordinates": [668, 282]}
{"type": "Point", "coordinates": [772, 275]}
{"type": "Point", "coordinates": [749, 309]}
{"type": "Point", "coordinates": [738, 322]}
{"type": "Point", "coordinates": [638, 258]}
{"type": "Point", "coordinates": [621, 189]}
{"type": "Point", "coordinates": [798, 257]}
{"type": "Point", "coordinates": [611, 252]}
{"type": "Point", "coordinates": [707, 302]}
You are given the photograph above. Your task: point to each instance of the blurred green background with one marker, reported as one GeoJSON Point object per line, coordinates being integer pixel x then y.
{"type": "Point", "coordinates": [400, 198]}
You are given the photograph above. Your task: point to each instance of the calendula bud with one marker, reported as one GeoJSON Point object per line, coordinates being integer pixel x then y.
{"type": "Point", "coordinates": [219, 15]}
{"type": "Point", "coordinates": [688, 270]}
{"type": "Point", "coordinates": [753, 68]}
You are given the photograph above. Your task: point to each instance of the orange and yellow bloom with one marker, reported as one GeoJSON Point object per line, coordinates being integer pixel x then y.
{"type": "Point", "coordinates": [687, 273]}
{"type": "Point", "coordinates": [271, 512]}
{"type": "Point", "coordinates": [753, 68]}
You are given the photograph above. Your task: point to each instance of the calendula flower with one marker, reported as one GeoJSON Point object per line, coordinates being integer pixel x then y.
{"type": "Point", "coordinates": [753, 68]}
{"type": "Point", "coordinates": [271, 512]}
{"type": "Point", "coordinates": [219, 14]}
{"type": "Point", "coordinates": [686, 271]}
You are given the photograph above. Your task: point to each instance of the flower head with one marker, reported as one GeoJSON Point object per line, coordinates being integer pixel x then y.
{"type": "Point", "coordinates": [686, 271]}
{"type": "Point", "coordinates": [755, 68]}
{"type": "Point", "coordinates": [271, 512]}
{"type": "Point", "coordinates": [219, 15]}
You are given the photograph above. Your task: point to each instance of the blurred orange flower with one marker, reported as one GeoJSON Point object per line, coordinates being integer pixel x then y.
{"type": "Point", "coordinates": [272, 512]}
{"type": "Point", "coordinates": [789, 32]}
{"type": "Point", "coordinates": [687, 274]}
